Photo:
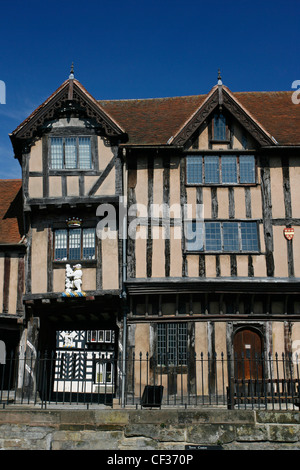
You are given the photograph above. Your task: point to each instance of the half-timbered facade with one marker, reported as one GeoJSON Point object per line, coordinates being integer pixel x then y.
{"type": "Point", "coordinates": [199, 250]}
{"type": "Point", "coordinates": [12, 270]}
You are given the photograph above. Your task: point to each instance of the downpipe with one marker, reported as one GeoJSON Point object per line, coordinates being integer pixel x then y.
{"type": "Point", "coordinates": [124, 277]}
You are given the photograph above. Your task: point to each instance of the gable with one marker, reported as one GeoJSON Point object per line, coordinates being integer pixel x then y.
{"type": "Point", "coordinates": [220, 99]}
{"type": "Point", "coordinates": [70, 99]}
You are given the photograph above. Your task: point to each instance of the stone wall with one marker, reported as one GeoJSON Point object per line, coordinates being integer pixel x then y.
{"type": "Point", "coordinates": [100, 429]}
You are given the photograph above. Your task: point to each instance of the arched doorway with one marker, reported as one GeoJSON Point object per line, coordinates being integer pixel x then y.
{"type": "Point", "coordinates": [248, 349]}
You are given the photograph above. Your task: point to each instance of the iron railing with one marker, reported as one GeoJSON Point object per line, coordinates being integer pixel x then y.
{"type": "Point", "coordinates": [93, 378]}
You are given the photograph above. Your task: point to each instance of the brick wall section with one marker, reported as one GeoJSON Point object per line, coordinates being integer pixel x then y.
{"type": "Point", "coordinates": [63, 429]}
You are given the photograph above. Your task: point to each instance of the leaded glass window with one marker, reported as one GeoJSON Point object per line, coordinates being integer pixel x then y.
{"type": "Point", "coordinates": [213, 236]}
{"type": "Point", "coordinates": [249, 236]}
{"type": "Point", "coordinates": [70, 153]}
{"type": "Point", "coordinates": [229, 169]}
{"type": "Point", "coordinates": [220, 169]}
{"type": "Point", "coordinates": [219, 127]}
{"type": "Point", "coordinates": [74, 244]}
{"type": "Point", "coordinates": [57, 152]}
{"type": "Point", "coordinates": [234, 237]}
{"type": "Point", "coordinates": [194, 169]}
{"type": "Point", "coordinates": [172, 344]}
{"type": "Point", "coordinates": [211, 169]}
{"type": "Point", "coordinates": [247, 168]}
{"type": "Point", "coordinates": [230, 236]}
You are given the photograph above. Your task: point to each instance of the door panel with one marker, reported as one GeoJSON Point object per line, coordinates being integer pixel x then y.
{"type": "Point", "coordinates": [248, 354]}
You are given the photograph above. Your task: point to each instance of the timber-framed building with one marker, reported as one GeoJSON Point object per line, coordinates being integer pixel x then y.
{"type": "Point", "coordinates": [201, 199]}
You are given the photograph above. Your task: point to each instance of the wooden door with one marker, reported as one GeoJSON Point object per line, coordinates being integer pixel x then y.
{"type": "Point", "coordinates": [248, 355]}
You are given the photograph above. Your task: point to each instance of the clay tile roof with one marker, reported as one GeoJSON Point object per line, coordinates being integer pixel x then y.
{"type": "Point", "coordinates": [155, 121]}
{"type": "Point", "coordinates": [276, 112]}
{"type": "Point", "coordinates": [11, 219]}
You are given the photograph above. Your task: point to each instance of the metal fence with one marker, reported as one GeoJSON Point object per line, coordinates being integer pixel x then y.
{"type": "Point", "coordinates": [91, 378]}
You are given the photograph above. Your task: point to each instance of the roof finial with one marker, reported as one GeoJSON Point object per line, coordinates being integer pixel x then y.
{"type": "Point", "coordinates": [219, 78]}
{"type": "Point", "coordinates": [71, 76]}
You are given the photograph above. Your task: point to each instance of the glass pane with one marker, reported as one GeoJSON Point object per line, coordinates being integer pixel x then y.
{"type": "Point", "coordinates": [219, 127]}
{"type": "Point", "coordinates": [56, 153]}
{"type": "Point", "coordinates": [161, 343]}
{"type": "Point", "coordinates": [74, 244]}
{"type": "Point", "coordinates": [70, 152]}
{"type": "Point", "coordinates": [85, 156]}
{"type": "Point", "coordinates": [247, 169]}
{"type": "Point", "coordinates": [213, 236]}
{"type": "Point", "coordinates": [211, 168]}
{"type": "Point", "coordinates": [88, 243]}
{"type": "Point", "coordinates": [60, 245]}
{"type": "Point", "coordinates": [194, 169]}
{"type": "Point", "coordinates": [194, 236]}
{"type": "Point", "coordinates": [249, 236]}
{"type": "Point", "coordinates": [230, 236]}
{"type": "Point", "coordinates": [172, 343]}
{"type": "Point", "coordinates": [182, 343]}
{"type": "Point", "coordinates": [229, 169]}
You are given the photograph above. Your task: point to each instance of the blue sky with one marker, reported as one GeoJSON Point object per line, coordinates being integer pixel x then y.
{"type": "Point", "coordinates": [140, 49]}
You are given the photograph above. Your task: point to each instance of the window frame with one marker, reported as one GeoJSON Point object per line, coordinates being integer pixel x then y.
{"type": "Point", "coordinates": [69, 260]}
{"type": "Point", "coordinates": [76, 135]}
{"type": "Point", "coordinates": [214, 138]}
{"type": "Point", "coordinates": [161, 356]}
{"type": "Point", "coordinates": [219, 154]}
{"type": "Point", "coordinates": [240, 250]}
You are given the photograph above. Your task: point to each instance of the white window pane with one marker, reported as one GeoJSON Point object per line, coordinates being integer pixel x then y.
{"type": "Point", "coordinates": [60, 247]}
{"type": "Point", "coordinates": [85, 156]}
{"type": "Point", "coordinates": [56, 157]}
{"type": "Point", "coordinates": [74, 243]}
{"type": "Point", "coordinates": [88, 251]}
{"type": "Point", "coordinates": [70, 152]}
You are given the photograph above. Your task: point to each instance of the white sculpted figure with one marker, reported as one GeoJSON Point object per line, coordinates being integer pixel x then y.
{"type": "Point", "coordinates": [69, 278]}
{"type": "Point", "coordinates": [73, 280]}
{"type": "Point", "coordinates": [77, 275]}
